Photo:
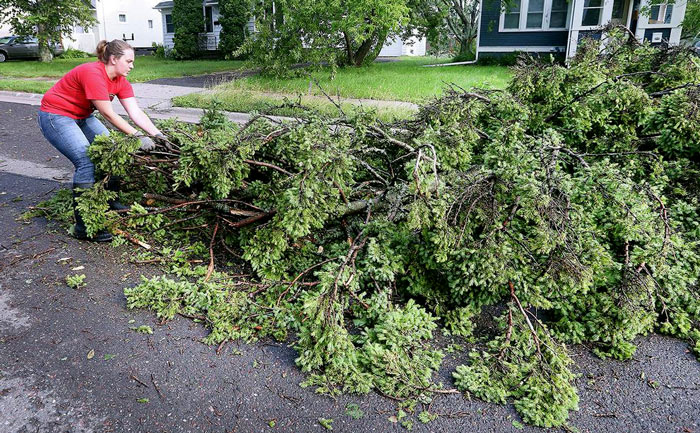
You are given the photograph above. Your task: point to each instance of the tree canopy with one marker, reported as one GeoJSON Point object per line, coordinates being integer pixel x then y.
{"type": "Point", "coordinates": [48, 20]}
{"type": "Point", "coordinates": [691, 22]}
{"type": "Point", "coordinates": [338, 32]}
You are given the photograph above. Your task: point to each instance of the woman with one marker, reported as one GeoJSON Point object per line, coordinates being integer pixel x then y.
{"type": "Point", "coordinates": [66, 119]}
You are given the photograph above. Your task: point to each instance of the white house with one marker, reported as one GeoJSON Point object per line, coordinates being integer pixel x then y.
{"type": "Point", "coordinates": [210, 37]}
{"type": "Point", "coordinates": [134, 21]}
{"type": "Point", "coordinates": [5, 30]}
{"type": "Point", "coordinates": [413, 46]}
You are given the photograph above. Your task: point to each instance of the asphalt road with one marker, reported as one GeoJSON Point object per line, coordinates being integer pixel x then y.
{"type": "Point", "coordinates": [170, 382]}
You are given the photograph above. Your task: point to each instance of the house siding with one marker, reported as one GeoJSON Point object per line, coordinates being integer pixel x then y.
{"type": "Point", "coordinates": [589, 34]}
{"type": "Point", "coordinates": [489, 36]}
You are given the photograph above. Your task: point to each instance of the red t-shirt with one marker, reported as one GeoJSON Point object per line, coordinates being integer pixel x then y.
{"type": "Point", "coordinates": [71, 95]}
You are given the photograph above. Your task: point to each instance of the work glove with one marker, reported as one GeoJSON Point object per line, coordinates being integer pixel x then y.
{"type": "Point", "coordinates": [161, 138]}
{"type": "Point", "coordinates": [147, 143]}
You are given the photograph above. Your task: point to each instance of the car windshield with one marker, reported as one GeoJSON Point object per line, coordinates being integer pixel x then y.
{"type": "Point", "coordinates": [5, 40]}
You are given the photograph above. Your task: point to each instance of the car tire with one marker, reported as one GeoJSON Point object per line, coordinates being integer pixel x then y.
{"type": "Point", "coordinates": [3, 57]}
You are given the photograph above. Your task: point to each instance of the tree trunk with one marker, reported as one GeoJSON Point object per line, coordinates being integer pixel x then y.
{"type": "Point", "coordinates": [362, 55]}
{"type": "Point", "coordinates": [45, 55]}
{"type": "Point", "coordinates": [348, 48]}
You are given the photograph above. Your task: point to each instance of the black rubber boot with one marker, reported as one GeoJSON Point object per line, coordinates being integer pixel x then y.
{"type": "Point", "coordinates": [79, 232]}
{"type": "Point", "coordinates": [114, 184]}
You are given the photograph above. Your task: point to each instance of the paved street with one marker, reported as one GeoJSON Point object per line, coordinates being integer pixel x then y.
{"type": "Point", "coordinates": [170, 382]}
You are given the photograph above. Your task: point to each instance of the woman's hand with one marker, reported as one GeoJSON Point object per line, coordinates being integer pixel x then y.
{"type": "Point", "coordinates": [161, 138]}
{"type": "Point", "coordinates": [147, 143]}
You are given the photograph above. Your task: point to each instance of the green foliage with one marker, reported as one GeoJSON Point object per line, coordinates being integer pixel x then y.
{"type": "Point", "coordinates": [425, 417]}
{"type": "Point", "coordinates": [233, 17]}
{"type": "Point", "coordinates": [75, 281]}
{"type": "Point", "coordinates": [570, 200]}
{"type": "Point", "coordinates": [326, 423]}
{"type": "Point", "coordinates": [48, 20]}
{"type": "Point", "coordinates": [676, 120]}
{"type": "Point", "coordinates": [143, 329]}
{"type": "Point", "coordinates": [527, 366]}
{"type": "Point", "coordinates": [159, 52]}
{"type": "Point", "coordinates": [57, 208]}
{"type": "Point", "coordinates": [333, 32]}
{"type": "Point", "coordinates": [93, 205]}
{"type": "Point", "coordinates": [353, 411]}
{"type": "Point", "coordinates": [188, 20]}
{"type": "Point", "coordinates": [691, 21]}
{"type": "Point", "coordinates": [72, 53]}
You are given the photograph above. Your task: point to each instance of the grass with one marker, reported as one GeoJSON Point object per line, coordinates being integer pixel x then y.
{"type": "Point", "coordinates": [30, 86]}
{"type": "Point", "coordinates": [145, 68]}
{"type": "Point", "coordinates": [246, 101]}
{"type": "Point", "coordinates": [405, 80]}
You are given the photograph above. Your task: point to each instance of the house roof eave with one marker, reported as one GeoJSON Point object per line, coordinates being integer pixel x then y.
{"type": "Point", "coordinates": [165, 5]}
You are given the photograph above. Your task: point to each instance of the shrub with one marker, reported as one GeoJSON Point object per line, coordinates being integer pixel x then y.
{"type": "Point", "coordinates": [72, 53]}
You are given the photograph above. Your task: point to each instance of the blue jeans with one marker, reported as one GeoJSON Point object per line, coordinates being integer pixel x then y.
{"type": "Point", "coordinates": [72, 137]}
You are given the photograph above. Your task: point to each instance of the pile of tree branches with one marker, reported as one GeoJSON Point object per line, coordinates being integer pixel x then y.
{"type": "Point", "coordinates": [567, 202]}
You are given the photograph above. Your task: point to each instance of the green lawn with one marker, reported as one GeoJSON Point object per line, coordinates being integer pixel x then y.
{"type": "Point", "coordinates": [29, 86]}
{"type": "Point", "coordinates": [145, 68]}
{"type": "Point", "coordinates": [405, 80]}
{"type": "Point", "coordinates": [246, 101]}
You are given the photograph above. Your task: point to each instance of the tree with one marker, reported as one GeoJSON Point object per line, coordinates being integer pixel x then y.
{"type": "Point", "coordinates": [691, 22]}
{"type": "Point", "coordinates": [454, 20]}
{"type": "Point", "coordinates": [233, 17]}
{"type": "Point", "coordinates": [188, 19]}
{"type": "Point", "coordinates": [562, 209]}
{"type": "Point", "coordinates": [48, 20]}
{"type": "Point", "coordinates": [337, 32]}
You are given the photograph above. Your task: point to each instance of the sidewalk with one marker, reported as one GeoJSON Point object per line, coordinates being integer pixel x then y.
{"type": "Point", "coordinates": [156, 101]}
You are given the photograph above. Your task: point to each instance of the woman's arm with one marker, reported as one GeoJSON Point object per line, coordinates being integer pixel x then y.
{"type": "Point", "coordinates": [105, 108]}
{"type": "Point", "coordinates": [138, 116]}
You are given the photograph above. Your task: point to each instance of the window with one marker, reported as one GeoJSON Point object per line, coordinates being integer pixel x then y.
{"type": "Point", "coordinates": [169, 26]}
{"type": "Point", "coordinates": [209, 20]}
{"type": "Point", "coordinates": [512, 16]}
{"type": "Point", "coordinates": [150, 24]}
{"type": "Point", "coordinates": [661, 14]}
{"type": "Point", "coordinates": [535, 12]}
{"type": "Point", "coordinates": [535, 15]}
{"type": "Point", "coordinates": [557, 18]}
{"type": "Point", "coordinates": [592, 10]}
{"type": "Point", "coordinates": [618, 9]}
{"type": "Point", "coordinates": [122, 18]}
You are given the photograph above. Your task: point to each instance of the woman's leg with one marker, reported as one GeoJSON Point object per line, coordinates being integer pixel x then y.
{"type": "Point", "coordinates": [68, 138]}
{"type": "Point", "coordinates": [92, 127]}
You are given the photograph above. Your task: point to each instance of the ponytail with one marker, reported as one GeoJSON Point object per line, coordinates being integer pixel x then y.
{"type": "Point", "coordinates": [115, 48]}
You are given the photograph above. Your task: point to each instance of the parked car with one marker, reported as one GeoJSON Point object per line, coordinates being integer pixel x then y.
{"type": "Point", "coordinates": [696, 47]}
{"type": "Point", "coordinates": [23, 47]}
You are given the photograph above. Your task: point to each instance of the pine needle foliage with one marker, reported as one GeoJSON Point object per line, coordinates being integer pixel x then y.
{"type": "Point", "coordinates": [569, 202]}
